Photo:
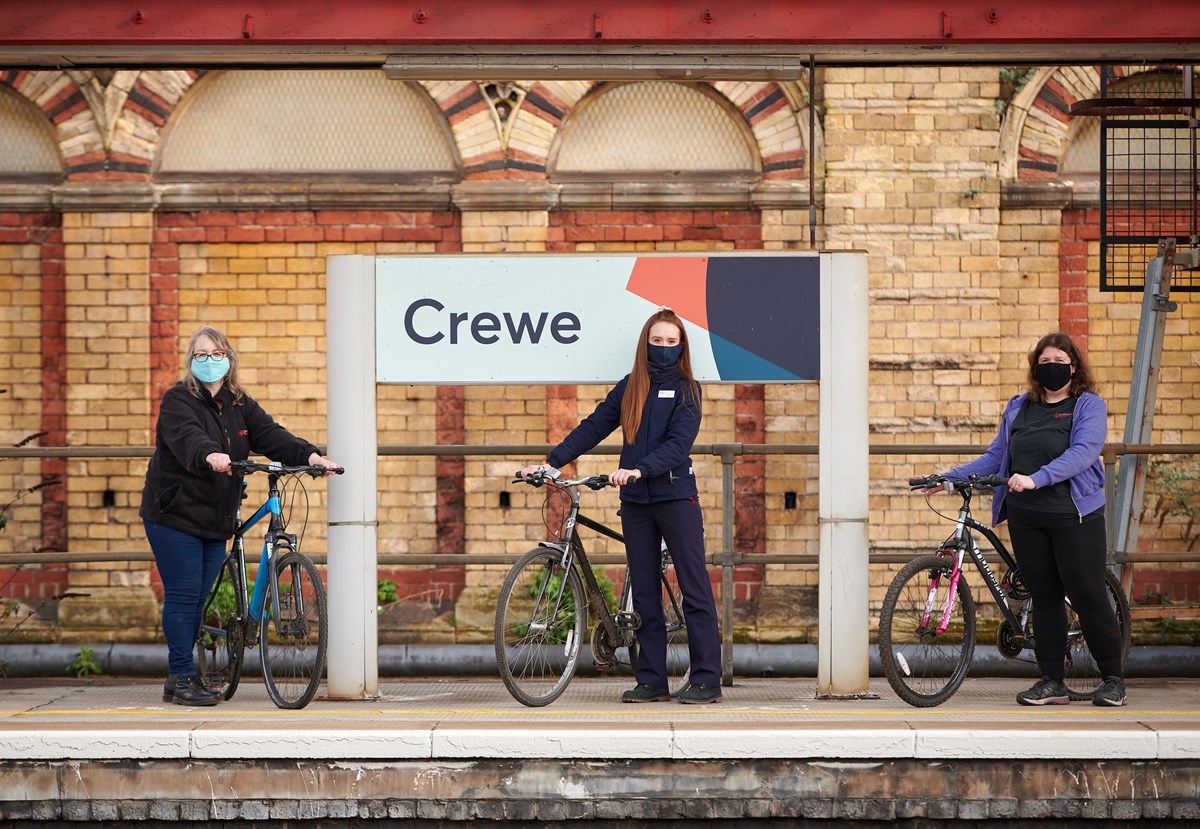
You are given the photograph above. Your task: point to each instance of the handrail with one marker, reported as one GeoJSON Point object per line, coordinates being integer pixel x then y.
{"type": "Point", "coordinates": [725, 451]}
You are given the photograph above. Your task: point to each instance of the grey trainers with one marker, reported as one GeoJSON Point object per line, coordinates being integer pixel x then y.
{"type": "Point", "coordinates": [1110, 692]}
{"type": "Point", "coordinates": [699, 694]}
{"type": "Point", "coordinates": [1045, 692]}
{"type": "Point", "coordinates": [646, 693]}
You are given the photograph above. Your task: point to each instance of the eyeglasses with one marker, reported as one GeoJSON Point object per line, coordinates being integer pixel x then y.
{"type": "Point", "coordinates": [200, 357]}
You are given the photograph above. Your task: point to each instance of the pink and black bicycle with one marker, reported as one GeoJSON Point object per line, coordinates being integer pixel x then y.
{"type": "Point", "coordinates": [928, 624]}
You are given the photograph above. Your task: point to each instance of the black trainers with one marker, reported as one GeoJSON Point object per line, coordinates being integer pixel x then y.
{"type": "Point", "coordinates": [646, 693]}
{"type": "Point", "coordinates": [1110, 692]}
{"type": "Point", "coordinates": [189, 690]}
{"type": "Point", "coordinates": [1045, 692]}
{"type": "Point", "coordinates": [699, 694]}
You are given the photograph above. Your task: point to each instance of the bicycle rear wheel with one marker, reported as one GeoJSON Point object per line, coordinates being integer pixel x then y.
{"type": "Point", "coordinates": [925, 667]}
{"type": "Point", "coordinates": [679, 660]}
{"type": "Point", "coordinates": [541, 622]}
{"type": "Point", "coordinates": [220, 643]}
{"type": "Point", "coordinates": [293, 645]}
{"type": "Point", "coordinates": [1082, 674]}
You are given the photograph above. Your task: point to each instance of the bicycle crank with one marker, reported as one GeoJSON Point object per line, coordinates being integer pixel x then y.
{"type": "Point", "coordinates": [604, 653]}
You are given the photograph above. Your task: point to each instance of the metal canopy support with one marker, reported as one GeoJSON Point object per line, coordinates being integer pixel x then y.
{"type": "Point", "coordinates": [465, 37]}
{"type": "Point", "coordinates": [1139, 419]}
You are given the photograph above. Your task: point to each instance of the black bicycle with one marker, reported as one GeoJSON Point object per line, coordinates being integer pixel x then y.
{"type": "Point", "coordinates": [286, 615]}
{"type": "Point", "coordinates": [927, 625]}
{"type": "Point", "coordinates": [542, 612]}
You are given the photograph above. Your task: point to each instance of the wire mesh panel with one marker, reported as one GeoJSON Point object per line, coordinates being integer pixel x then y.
{"type": "Point", "coordinates": [1148, 181]}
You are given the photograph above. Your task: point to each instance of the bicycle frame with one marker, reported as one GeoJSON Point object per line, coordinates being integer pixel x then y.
{"type": "Point", "coordinates": [572, 545]}
{"type": "Point", "coordinates": [275, 531]}
{"type": "Point", "coordinates": [962, 543]}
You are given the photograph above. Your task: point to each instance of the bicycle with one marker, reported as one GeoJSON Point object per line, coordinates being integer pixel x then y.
{"type": "Point", "coordinates": [286, 615]}
{"type": "Point", "coordinates": [927, 625]}
{"type": "Point", "coordinates": [542, 611]}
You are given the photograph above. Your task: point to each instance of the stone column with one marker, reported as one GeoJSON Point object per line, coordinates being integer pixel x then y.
{"type": "Point", "coordinates": [107, 232]}
{"type": "Point", "coordinates": [498, 216]}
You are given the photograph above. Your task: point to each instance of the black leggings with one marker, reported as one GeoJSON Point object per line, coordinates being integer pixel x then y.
{"type": "Point", "coordinates": [1061, 561]}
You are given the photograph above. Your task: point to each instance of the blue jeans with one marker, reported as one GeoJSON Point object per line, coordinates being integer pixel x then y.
{"type": "Point", "coordinates": [188, 566]}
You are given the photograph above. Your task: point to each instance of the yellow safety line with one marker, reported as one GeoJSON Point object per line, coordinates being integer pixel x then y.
{"type": "Point", "coordinates": [899, 714]}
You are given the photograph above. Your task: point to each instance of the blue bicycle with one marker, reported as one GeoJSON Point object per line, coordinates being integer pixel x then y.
{"type": "Point", "coordinates": [286, 615]}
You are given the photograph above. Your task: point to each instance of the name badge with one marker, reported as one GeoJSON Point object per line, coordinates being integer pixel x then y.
{"type": "Point", "coordinates": [666, 392]}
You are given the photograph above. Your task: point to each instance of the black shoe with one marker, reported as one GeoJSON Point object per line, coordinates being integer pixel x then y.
{"type": "Point", "coordinates": [1047, 691]}
{"type": "Point", "coordinates": [189, 690]}
{"type": "Point", "coordinates": [169, 689]}
{"type": "Point", "coordinates": [699, 694]}
{"type": "Point", "coordinates": [646, 693]}
{"type": "Point", "coordinates": [1110, 692]}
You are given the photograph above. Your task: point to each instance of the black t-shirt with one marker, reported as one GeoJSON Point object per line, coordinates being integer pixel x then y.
{"type": "Point", "coordinates": [1040, 433]}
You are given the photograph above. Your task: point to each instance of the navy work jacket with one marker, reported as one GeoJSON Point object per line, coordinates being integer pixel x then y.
{"type": "Point", "coordinates": [670, 423]}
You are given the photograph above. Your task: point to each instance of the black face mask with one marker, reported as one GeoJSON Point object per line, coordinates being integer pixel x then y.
{"type": "Point", "coordinates": [1053, 376]}
{"type": "Point", "coordinates": [663, 356]}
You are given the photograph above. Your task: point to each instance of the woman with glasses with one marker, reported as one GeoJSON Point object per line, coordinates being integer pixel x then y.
{"type": "Point", "coordinates": [190, 500]}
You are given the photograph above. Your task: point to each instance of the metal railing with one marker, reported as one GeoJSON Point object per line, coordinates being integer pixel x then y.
{"type": "Point", "coordinates": [727, 558]}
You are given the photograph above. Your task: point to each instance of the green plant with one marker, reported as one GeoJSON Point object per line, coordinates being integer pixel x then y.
{"type": "Point", "coordinates": [566, 609]}
{"type": "Point", "coordinates": [85, 664]}
{"type": "Point", "coordinates": [1012, 80]}
{"type": "Point", "coordinates": [385, 591]}
{"type": "Point", "coordinates": [1177, 487]}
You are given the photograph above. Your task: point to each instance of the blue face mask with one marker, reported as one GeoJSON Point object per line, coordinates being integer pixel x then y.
{"type": "Point", "coordinates": [664, 356]}
{"type": "Point", "coordinates": [211, 370]}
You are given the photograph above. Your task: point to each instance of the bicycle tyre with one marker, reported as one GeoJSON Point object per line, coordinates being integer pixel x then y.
{"type": "Point", "coordinates": [924, 667]}
{"type": "Point", "coordinates": [679, 658]}
{"type": "Point", "coordinates": [221, 642]}
{"type": "Point", "coordinates": [1082, 675]}
{"type": "Point", "coordinates": [537, 646]}
{"type": "Point", "coordinates": [293, 647]}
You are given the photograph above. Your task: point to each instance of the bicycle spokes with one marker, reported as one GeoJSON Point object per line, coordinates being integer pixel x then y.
{"type": "Point", "coordinates": [540, 621]}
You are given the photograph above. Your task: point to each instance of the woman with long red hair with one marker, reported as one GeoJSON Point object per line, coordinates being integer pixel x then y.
{"type": "Point", "coordinates": [657, 407]}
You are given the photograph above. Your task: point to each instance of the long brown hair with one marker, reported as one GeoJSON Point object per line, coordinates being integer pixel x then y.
{"type": "Point", "coordinates": [222, 343]}
{"type": "Point", "coordinates": [1081, 381]}
{"type": "Point", "coordinates": [634, 401]}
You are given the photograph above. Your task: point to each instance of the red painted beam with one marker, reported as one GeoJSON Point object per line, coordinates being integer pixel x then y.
{"type": "Point", "coordinates": [64, 25]}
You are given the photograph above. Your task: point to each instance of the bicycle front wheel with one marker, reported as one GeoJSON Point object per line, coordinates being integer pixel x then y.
{"type": "Point", "coordinates": [292, 646]}
{"type": "Point", "coordinates": [1082, 675]}
{"type": "Point", "coordinates": [541, 620]}
{"type": "Point", "coordinates": [221, 643]}
{"type": "Point", "coordinates": [925, 666]}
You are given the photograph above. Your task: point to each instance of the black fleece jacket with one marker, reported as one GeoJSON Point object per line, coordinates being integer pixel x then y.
{"type": "Point", "coordinates": [182, 491]}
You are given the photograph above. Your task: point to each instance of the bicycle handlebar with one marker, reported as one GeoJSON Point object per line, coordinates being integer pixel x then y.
{"type": "Point", "coordinates": [550, 476]}
{"type": "Point", "coordinates": [976, 483]}
{"type": "Point", "coordinates": [248, 467]}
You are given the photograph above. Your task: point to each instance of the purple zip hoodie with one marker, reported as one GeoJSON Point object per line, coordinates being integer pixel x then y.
{"type": "Point", "coordinates": [1080, 465]}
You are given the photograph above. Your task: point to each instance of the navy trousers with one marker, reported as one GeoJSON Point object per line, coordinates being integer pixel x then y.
{"type": "Point", "coordinates": [681, 525]}
{"type": "Point", "coordinates": [188, 566]}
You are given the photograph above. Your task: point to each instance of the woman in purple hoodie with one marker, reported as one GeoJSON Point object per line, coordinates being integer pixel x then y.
{"type": "Point", "coordinates": [1048, 446]}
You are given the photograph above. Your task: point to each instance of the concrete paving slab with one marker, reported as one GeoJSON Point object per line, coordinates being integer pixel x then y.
{"type": "Point", "coordinates": [465, 718]}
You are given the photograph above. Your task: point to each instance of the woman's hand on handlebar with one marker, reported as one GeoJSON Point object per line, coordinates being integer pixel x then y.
{"type": "Point", "coordinates": [331, 468]}
{"type": "Point", "coordinates": [219, 462]}
{"type": "Point", "coordinates": [1020, 483]}
{"type": "Point", "coordinates": [624, 476]}
{"type": "Point", "coordinates": [533, 469]}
